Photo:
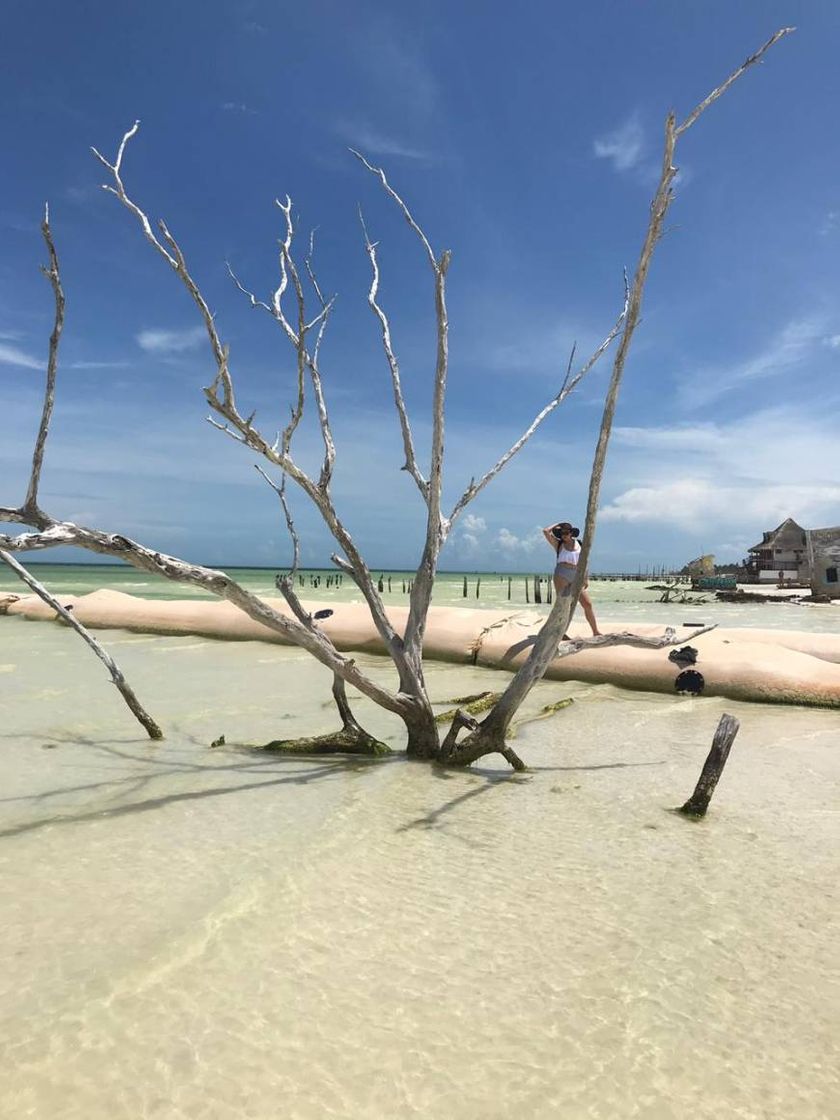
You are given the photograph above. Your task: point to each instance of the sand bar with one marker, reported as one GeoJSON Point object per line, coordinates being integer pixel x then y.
{"type": "Point", "coordinates": [768, 666]}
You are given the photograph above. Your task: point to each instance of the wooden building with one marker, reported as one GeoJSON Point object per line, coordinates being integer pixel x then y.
{"type": "Point", "coordinates": [824, 561]}
{"type": "Point", "coordinates": [781, 556]}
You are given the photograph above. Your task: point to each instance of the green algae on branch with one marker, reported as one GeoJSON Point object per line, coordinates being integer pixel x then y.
{"type": "Point", "coordinates": [337, 742]}
{"type": "Point", "coordinates": [472, 705]}
{"type": "Point", "coordinates": [543, 713]}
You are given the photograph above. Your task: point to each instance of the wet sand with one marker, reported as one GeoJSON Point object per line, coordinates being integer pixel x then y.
{"type": "Point", "coordinates": [209, 933]}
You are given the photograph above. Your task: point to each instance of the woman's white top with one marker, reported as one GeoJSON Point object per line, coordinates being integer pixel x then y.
{"type": "Point", "coordinates": [568, 556]}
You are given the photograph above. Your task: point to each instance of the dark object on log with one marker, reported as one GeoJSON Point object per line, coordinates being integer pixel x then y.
{"type": "Point", "coordinates": [698, 803]}
{"type": "Point", "coordinates": [686, 655]}
{"type": "Point", "coordinates": [325, 613]}
{"type": "Point", "coordinates": [690, 681]}
{"type": "Point", "coordinates": [694, 624]}
{"type": "Point", "coordinates": [220, 742]}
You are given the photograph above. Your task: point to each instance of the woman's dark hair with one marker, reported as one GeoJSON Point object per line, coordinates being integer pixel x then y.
{"type": "Point", "coordinates": [556, 533]}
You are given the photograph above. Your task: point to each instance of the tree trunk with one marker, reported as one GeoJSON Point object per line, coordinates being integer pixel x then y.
{"type": "Point", "coordinates": [423, 741]}
{"type": "Point", "coordinates": [698, 803]}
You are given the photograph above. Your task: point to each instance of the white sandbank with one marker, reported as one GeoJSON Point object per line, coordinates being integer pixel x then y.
{"type": "Point", "coordinates": [769, 666]}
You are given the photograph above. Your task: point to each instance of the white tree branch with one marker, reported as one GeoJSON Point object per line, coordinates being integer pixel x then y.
{"type": "Point", "coordinates": [52, 274]}
{"type": "Point", "coordinates": [117, 675]}
{"type": "Point", "coordinates": [733, 77]}
{"type": "Point", "coordinates": [380, 174]}
{"type": "Point", "coordinates": [175, 259]}
{"type": "Point", "coordinates": [393, 365]}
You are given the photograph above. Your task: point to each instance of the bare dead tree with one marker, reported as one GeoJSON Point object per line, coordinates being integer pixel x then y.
{"type": "Point", "coordinates": [305, 332]}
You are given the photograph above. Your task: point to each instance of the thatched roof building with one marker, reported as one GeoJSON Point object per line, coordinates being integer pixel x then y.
{"type": "Point", "coordinates": [782, 553]}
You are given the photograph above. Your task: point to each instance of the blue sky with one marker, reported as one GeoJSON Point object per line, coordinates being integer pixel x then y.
{"type": "Point", "coordinates": [525, 140]}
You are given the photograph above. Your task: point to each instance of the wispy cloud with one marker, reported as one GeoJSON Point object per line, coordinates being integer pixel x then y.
{"type": "Point", "coordinates": [831, 222]}
{"type": "Point", "coordinates": [155, 341]}
{"type": "Point", "coordinates": [625, 146]}
{"type": "Point", "coordinates": [12, 356]}
{"type": "Point", "coordinates": [82, 194]}
{"type": "Point", "coordinates": [99, 365]}
{"type": "Point", "coordinates": [400, 67]}
{"type": "Point", "coordinates": [790, 347]}
{"type": "Point", "coordinates": [10, 336]}
{"type": "Point", "coordinates": [238, 107]}
{"type": "Point", "coordinates": [833, 341]}
{"type": "Point", "coordinates": [370, 141]}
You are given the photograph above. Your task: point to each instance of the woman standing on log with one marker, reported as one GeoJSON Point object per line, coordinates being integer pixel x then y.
{"type": "Point", "coordinates": [563, 539]}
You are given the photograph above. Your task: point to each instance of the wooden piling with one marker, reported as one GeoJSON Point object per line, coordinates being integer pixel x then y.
{"type": "Point", "coordinates": [698, 803]}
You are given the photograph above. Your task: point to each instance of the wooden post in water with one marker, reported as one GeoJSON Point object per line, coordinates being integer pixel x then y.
{"type": "Point", "coordinates": [509, 580]}
{"type": "Point", "coordinates": [537, 591]}
{"type": "Point", "coordinates": [477, 586]}
{"type": "Point", "coordinates": [527, 600]}
{"type": "Point", "coordinates": [465, 587]}
{"type": "Point", "coordinates": [698, 803]}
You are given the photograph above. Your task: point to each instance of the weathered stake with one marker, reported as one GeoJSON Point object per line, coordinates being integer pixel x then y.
{"type": "Point", "coordinates": [698, 803]}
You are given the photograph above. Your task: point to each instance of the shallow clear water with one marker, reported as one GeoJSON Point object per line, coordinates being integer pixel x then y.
{"type": "Point", "coordinates": [192, 932]}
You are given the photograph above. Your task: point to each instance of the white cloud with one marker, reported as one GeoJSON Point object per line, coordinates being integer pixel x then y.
{"type": "Point", "coordinates": [510, 543]}
{"type": "Point", "coordinates": [10, 336]}
{"type": "Point", "coordinates": [370, 141]}
{"type": "Point", "coordinates": [238, 107]}
{"type": "Point", "coordinates": [473, 524]}
{"type": "Point", "coordinates": [624, 146]}
{"type": "Point", "coordinates": [170, 342]}
{"type": "Point", "coordinates": [12, 356]}
{"type": "Point", "coordinates": [792, 345]}
{"type": "Point", "coordinates": [833, 341]}
{"type": "Point", "coordinates": [719, 478]}
{"type": "Point", "coordinates": [830, 221]}
{"type": "Point", "coordinates": [693, 504]}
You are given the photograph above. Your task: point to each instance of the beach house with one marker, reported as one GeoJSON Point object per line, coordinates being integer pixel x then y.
{"type": "Point", "coordinates": [780, 556]}
{"type": "Point", "coordinates": [824, 561]}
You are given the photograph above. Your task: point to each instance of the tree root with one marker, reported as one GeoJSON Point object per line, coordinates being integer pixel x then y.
{"type": "Point", "coordinates": [346, 741]}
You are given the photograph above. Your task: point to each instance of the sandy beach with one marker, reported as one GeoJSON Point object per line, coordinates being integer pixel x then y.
{"type": "Point", "coordinates": [208, 932]}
